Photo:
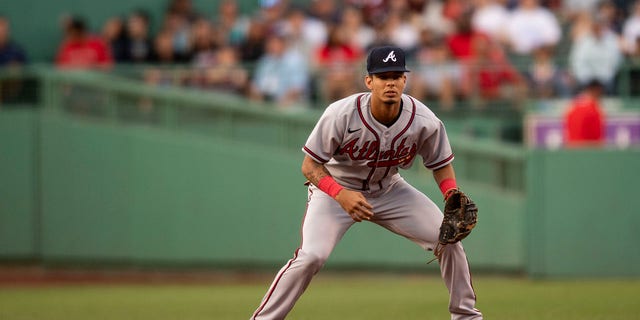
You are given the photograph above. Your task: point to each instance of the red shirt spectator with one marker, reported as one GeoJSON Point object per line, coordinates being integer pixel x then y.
{"type": "Point", "coordinates": [338, 55]}
{"type": "Point", "coordinates": [584, 122]}
{"type": "Point", "coordinates": [488, 71]}
{"type": "Point", "coordinates": [82, 51]}
{"type": "Point", "coordinates": [335, 64]}
{"type": "Point", "coordinates": [461, 41]}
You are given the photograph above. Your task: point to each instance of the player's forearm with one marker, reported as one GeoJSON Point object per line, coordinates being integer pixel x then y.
{"type": "Point", "coordinates": [446, 179]}
{"type": "Point", "coordinates": [313, 170]}
{"type": "Point", "coordinates": [444, 173]}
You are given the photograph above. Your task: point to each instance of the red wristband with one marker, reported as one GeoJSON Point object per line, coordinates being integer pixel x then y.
{"type": "Point", "coordinates": [446, 185]}
{"type": "Point", "coordinates": [329, 186]}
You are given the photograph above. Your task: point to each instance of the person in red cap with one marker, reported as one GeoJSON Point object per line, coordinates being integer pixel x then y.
{"type": "Point", "coordinates": [584, 123]}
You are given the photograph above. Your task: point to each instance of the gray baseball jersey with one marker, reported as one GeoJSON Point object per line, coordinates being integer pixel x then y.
{"type": "Point", "coordinates": [363, 154]}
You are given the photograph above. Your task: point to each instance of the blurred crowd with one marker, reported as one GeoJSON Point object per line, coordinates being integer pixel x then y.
{"type": "Point", "coordinates": [481, 51]}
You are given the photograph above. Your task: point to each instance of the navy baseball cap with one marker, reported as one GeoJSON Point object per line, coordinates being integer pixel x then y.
{"type": "Point", "coordinates": [386, 59]}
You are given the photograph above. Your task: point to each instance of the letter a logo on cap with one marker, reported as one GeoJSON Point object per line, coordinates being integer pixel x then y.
{"type": "Point", "coordinates": [391, 56]}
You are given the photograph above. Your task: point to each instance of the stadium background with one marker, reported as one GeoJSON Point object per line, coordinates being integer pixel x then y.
{"type": "Point", "coordinates": [102, 169]}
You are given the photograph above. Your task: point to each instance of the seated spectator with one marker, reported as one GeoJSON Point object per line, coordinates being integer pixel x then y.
{"type": "Point", "coordinates": [11, 54]}
{"type": "Point", "coordinates": [230, 23]}
{"type": "Point", "coordinates": [489, 17]}
{"type": "Point", "coordinates": [303, 32]}
{"type": "Point", "coordinates": [225, 73]}
{"type": "Point", "coordinates": [401, 32]}
{"type": "Point", "coordinates": [281, 75]}
{"type": "Point", "coordinates": [204, 43]}
{"type": "Point", "coordinates": [596, 55]}
{"type": "Point", "coordinates": [81, 50]}
{"type": "Point", "coordinates": [163, 50]}
{"type": "Point", "coordinates": [434, 18]}
{"type": "Point", "coordinates": [546, 78]}
{"type": "Point", "coordinates": [489, 76]}
{"type": "Point", "coordinates": [460, 42]}
{"type": "Point", "coordinates": [584, 121]}
{"type": "Point", "coordinates": [138, 45]}
{"type": "Point", "coordinates": [335, 65]}
{"type": "Point", "coordinates": [436, 75]}
{"type": "Point", "coordinates": [114, 35]}
{"type": "Point", "coordinates": [357, 33]}
{"type": "Point", "coordinates": [631, 31]}
{"type": "Point", "coordinates": [531, 26]}
{"type": "Point", "coordinates": [178, 27]}
{"type": "Point", "coordinates": [253, 45]}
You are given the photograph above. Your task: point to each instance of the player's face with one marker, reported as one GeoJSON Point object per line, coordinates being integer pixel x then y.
{"type": "Point", "coordinates": [387, 87]}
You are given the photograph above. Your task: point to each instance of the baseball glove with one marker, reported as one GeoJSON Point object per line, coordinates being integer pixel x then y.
{"type": "Point", "coordinates": [460, 217]}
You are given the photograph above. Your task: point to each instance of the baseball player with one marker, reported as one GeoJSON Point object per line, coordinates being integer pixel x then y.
{"type": "Point", "coordinates": [351, 162]}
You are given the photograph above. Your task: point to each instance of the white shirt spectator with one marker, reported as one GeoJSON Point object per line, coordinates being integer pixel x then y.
{"type": "Point", "coordinates": [528, 29]}
{"type": "Point", "coordinates": [433, 18]}
{"type": "Point", "coordinates": [490, 18]}
{"type": "Point", "coordinates": [595, 57]}
{"type": "Point", "coordinates": [305, 34]}
{"type": "Point", "coordinates": [631, 30]}
{"type": "Point", "coordinates": [357, 32]}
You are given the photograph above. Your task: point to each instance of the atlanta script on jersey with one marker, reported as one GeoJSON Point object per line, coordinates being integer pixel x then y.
{"type": "Point", "coordinates": [363, 154]}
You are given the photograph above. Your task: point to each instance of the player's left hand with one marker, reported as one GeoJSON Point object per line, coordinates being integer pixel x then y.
{"type": "Point", "coordinates": [355, 204]}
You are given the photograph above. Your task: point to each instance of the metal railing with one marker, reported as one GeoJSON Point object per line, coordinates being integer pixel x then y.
{"type": "Point", "coordinates": [116, 100]}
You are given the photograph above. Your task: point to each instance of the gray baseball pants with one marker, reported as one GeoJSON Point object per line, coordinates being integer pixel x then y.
{"type": "Point", "coordinates": [401, 209]}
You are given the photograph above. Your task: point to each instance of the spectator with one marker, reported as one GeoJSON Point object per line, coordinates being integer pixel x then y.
{"type": "Point", "coordinates": [336, 66]}
{"type": "Point", "coordinates": [232, 26]}
{"type": "Point", "coordinates": [11, 54]}
{"type": "Point", "coordinates": [433, 18]}
{"type": "Point", "coordinates": [138, 46]}
{"type": "Point", "coordinates": [596, 55]}
{"type": "Point", "coordinates": [461, 41]}
{"type": "Point", "coordinates": [113, 34]}
{"type": "Point", "coordinates": [546, 78]}
{"type": "Point", "coordinates": [489, 17]}
{"type": "Point", "coordinates": [303, 32]}
{"type": "Point", "coordinates": [611, 15]}
{"type": "Point", "coordinates": [81, 50]}
{"type": "Point", "coordinates": [436, 75]}
{"type": "Point", "coordinates": [281, 75]}
{"type": "Point", "coordinates": [164, 52]}
{"type": "Point", "coordinates": [531, 26]}
{"type": "Point", "coordinates": [357, 33]}
{"type": "Point", "coordinates": [631, 31]}
{"type": "Point", "coordinates": [225, 74]}
{"type": "Point", "coordinates": [178, 27]}
{"type": "Point", "coordinates": [204, 42]}
{"type": "Point", "coordinates": [584, 121]}
{"type": "Point", "coordinates": [253, 46]}
{"type": "Point", "coordinates": [489, 76]}
{"type": "Point", "coordinates": [401, 32]}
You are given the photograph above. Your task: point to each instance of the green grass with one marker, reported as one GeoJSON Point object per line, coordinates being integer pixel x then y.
{"type": "Point", "coordinates": [328, 297]}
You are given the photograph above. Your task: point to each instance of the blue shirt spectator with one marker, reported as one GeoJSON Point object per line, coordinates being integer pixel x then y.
{"type": "Point", "coordinates": [281, 74]}
{"type": "Point", "coordinates": [10, 52]}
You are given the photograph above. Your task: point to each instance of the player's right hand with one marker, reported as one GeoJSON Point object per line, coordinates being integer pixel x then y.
{"type": "Point", "coordinates": [355, 204]}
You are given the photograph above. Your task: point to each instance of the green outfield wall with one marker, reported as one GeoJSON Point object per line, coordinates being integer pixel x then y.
{"type": "Point", "coordinates": [137, 195]}
{"type": "Point", "coordinates": [203, 179]}
{"type": "Point", "coordinates": [19, 233]}
{"type": "Point", "coordinates": [582, 213]}
{"type": "Point", "coordinates": [142, 195]}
